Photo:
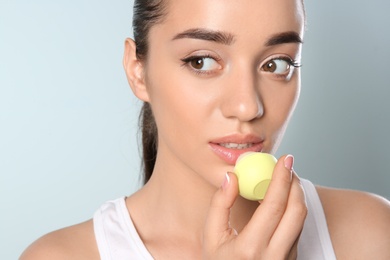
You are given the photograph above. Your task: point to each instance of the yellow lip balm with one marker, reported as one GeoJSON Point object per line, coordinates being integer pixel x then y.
{"type": "Point", "coordinates": [254, 173]}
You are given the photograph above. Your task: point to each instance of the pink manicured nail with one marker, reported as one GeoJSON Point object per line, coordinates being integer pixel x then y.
{"type": "Point", "coordinates": [226, 181]}
{"type": "Point", "coordinates": [289, 162]}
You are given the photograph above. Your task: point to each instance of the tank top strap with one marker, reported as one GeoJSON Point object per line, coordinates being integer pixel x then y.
{"type": "Point", "coordinates": [115, 233]}
{"type": "Point", "coordinates": [315, 242]}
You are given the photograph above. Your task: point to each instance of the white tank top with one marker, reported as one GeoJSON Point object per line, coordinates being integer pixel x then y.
{"type": "Point", "coordinates": [118, 239]}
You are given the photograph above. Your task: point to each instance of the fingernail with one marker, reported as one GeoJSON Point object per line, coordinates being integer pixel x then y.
{"type": "Point", "coordinates": [226, 181]}
{"type": "Point", "coordinates": [289, 162]}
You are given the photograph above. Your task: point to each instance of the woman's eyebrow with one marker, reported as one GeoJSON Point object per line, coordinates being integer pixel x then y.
{"type": "Point", "coordinates": [228, 38]}
{"type": "Point", "coordinates": [284, 37]}
{"type": "Point", "coordinates": [207, 35]}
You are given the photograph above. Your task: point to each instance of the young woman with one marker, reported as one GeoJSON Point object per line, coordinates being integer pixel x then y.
{"type": "Point", "coordinates": [220, 78]}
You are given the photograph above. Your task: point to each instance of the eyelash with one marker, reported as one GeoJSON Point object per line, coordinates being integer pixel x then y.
{"type": "Point", "coordinates": [290, 61]}
{"type": "Point", "coordinates": [186, 62]}
{"type": "Point", "coordinates": [289, 71]}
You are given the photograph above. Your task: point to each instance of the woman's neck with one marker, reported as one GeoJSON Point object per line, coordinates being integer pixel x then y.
{"type": "Point", "coordinates": [175, 203]}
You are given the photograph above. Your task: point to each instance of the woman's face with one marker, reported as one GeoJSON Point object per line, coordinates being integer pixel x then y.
{"type": "Point", "coordinates": [221, 78]}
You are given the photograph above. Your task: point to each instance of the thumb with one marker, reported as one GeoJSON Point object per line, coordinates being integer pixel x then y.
{"type": "Point", "coordinates": [217, 227]}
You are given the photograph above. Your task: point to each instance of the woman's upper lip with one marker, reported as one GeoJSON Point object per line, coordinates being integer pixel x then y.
{"type": "Point", "coordinates": [230, 147]}
{"type": "Point", "coordinates": [238, 138]}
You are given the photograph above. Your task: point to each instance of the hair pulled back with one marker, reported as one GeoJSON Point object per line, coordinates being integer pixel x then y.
{"type": "Point", "coordinates": [146, 13]}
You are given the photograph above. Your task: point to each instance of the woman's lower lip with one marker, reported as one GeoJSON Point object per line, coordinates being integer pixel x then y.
{"type": "Point", "coordinates": [231, 155]}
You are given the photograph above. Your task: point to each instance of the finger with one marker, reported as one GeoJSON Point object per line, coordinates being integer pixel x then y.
{"type": "Point", "coordinates": [293, 254]}
{"type": "Point", "coordinates": [293, 219]}
{"type": "Point", "coordinates": [217, 227]}
{"type": "Point", "coordinates": [268, 215]}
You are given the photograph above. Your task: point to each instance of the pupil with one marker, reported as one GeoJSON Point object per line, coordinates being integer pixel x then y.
{"type": "Point", "coordinates": [197, 64]}
{"type": "Point", "coordinates": [271, 66]}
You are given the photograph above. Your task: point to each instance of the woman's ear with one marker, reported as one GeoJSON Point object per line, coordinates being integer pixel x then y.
{"type": "Point", "coordinates": [134, 69]}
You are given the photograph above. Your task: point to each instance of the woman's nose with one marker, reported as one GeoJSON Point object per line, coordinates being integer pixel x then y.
{"type": "Point", "coordinates": [242, 99]}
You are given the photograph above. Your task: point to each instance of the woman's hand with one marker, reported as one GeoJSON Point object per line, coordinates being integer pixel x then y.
{"type": "Point", "coordinates": [274, 229]}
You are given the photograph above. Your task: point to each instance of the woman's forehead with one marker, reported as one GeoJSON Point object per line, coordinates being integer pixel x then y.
{"type": "Point", "coordinates": [239, 18]}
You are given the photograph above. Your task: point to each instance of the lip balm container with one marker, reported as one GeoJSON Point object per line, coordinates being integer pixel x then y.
{"type": "Point", "coordinates": [254, 172]}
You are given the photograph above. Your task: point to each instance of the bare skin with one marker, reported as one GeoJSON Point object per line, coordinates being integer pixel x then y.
{"type": "Point", "coordinates": [234, 95]}
{"type": "Point", "coordinates": [358, 222]}
{"type": "Point", "coordinates": [75, 242]}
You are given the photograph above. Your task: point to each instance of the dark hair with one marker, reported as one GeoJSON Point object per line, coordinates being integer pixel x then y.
{"type": "Point", "coordinates": [146, 14]}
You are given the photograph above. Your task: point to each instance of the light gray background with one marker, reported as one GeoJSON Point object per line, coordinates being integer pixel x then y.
{"type": "Point", "coordinates": [68, 120]}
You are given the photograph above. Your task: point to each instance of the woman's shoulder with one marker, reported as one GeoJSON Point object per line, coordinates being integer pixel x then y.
{"type": "Point", "coordinates": [74, 242]}
{"type": "Point", "coordinates": [359, 223]}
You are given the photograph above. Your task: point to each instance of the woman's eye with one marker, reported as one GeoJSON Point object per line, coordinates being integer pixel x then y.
{"type": "Point", "coordinates": [277, 66]}
{"type": "Point", "coordinates": [203, 64]}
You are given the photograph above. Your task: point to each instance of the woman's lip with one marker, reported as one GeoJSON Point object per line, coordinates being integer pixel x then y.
{"type": "Point", "coordinates": [230, 155]}
{"type": "Point", "coordinates": [239, 139]}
